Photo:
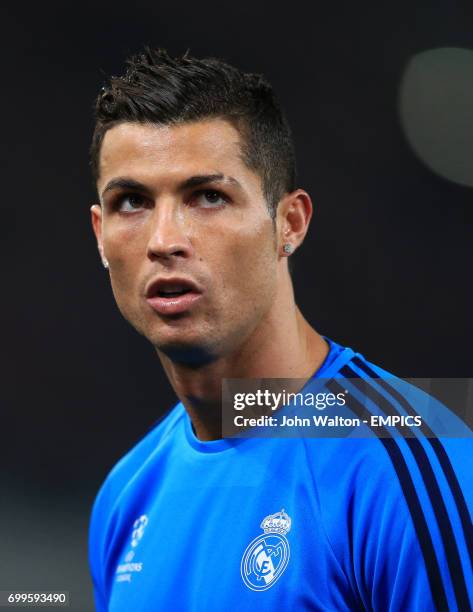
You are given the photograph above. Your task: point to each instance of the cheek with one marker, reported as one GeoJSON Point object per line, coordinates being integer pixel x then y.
{"type": "Point", "coordinates": [123, 240]}
{"type": "Point", "coordinates": [244, 261]}
{"type": "Point", "coordinates": [124, 253]}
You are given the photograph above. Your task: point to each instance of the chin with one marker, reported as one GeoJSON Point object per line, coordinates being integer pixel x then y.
{"type": "Point", "coordinates": [186, 348]}
{"type": "Point", "coordinates": [189, 354]}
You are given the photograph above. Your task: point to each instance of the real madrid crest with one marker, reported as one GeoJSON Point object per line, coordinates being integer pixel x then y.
{"type": "Point", "coordinates": [267, 556]}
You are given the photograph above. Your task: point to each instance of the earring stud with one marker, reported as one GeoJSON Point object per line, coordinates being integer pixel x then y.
{"type": "Point", "coordinates": [288, 248]}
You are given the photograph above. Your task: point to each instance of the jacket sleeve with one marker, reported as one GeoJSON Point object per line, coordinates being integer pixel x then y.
{"type": "Point", "coordinates": [397, 514]}
{"type": "Point", "coordinates": [96, 541]}
{"type": "Point", "coordinates": [413, 554]}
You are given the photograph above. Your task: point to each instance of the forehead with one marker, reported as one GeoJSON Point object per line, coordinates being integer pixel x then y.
{"type": "Point", "coordinates": [171, 151]}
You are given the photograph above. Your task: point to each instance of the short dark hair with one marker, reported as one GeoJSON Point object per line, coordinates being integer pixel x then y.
{"type": "Point", "coordinates": [164, 90]}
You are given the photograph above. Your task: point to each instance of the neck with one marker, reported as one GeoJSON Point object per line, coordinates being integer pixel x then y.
{"type": "Point", "coordinates": [283, 345]}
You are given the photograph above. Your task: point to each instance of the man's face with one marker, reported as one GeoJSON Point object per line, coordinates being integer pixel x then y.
{"type": "Point", "coordinates": [185, 228]}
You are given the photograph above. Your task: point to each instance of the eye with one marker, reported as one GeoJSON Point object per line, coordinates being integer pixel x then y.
{"type": "Point", "coordinates": [209, 198]}
{"type": "Point", "coordinates": [130, 202]}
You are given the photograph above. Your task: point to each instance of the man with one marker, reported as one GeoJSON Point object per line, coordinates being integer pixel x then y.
{"type": "Point", "coordinates": [198, 215]}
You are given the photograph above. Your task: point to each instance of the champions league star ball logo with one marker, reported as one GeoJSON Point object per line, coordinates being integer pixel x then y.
{"type": "Point", "coordinates": [267, 556]}
{"type": "Point", "coordinates": [138, 530]}
{"type": "Point", "coordinates": [125, 570]}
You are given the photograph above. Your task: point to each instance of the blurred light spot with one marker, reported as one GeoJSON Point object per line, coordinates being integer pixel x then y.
{"type": "Point", "coordinates": [436, 108]}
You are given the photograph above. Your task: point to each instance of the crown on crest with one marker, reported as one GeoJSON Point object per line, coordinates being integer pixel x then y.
{"type": "Point", "coordinates": [276, 523]}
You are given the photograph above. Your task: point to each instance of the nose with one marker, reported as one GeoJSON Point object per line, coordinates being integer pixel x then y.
{"type": "Point", "coordinates": [168, 237]}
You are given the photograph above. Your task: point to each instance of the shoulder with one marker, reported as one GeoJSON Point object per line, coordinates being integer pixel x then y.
{"type": "Point", "coordinates": [135, 458]}
{"type": "Point", "coordinates": [407, 435]}
{"type": "Point", "coordinates": [120, 478]}
{"type": "Point", "coordinates": [417, 439]}
{"type": "Point", "coordinates": [404, 493]}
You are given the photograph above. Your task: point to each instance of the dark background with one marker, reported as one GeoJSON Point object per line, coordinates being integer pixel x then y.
{"type": "Point", "coordinates": [386, 268]}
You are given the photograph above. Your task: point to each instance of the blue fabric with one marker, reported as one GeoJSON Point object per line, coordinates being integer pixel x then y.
{"type": "Point", "coordinates": [351, 523]}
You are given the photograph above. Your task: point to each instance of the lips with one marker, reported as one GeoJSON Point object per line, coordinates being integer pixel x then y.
{"type": "Point", "coordinates": [171, 296]}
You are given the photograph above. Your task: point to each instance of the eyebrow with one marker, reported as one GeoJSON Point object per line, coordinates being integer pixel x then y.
{"type": "Point", "coordinates": [124, 183]}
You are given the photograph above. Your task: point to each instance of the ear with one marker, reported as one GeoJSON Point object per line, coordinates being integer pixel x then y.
{"type": "Point", "coordinates": [96, 217]}
{"type": "Point", "coordinates": [293, 218]}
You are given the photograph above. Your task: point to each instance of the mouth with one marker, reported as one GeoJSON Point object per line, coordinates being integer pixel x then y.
{"type": "Point", "coordinates": [172, 296]}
